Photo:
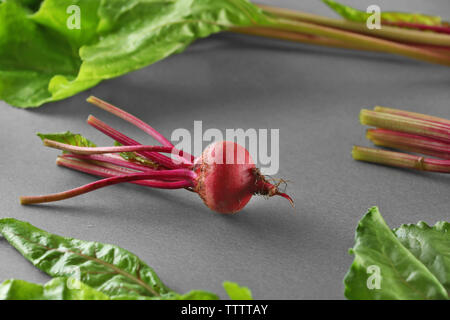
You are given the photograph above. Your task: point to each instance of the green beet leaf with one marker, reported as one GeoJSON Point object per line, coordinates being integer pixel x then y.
{"type": "Point", "coordinates": [107, 268]}
{"type": "Point", "coordinates": [236, 292]}
{"type": "Point", "coordinates": [98, 271]}
{"type": "Point", "coordinates": [31, 4]}
{"type": "Point", "coordinates": [55, 15]}
{"type": "Point", "coordinates": [30, 56]}
{"type": "Point", "coordinates": [43, 60]}
{"type": "Point", "coordinates": [356, 15]}
{"type": "Point", "coordinates": [63, 288]}
{"type": "Point", "coordinates": [383, 268]}
{"type": "Point", "coordinates": [57, 289]}
{"type": "Point", "coordinates": [430, 245]}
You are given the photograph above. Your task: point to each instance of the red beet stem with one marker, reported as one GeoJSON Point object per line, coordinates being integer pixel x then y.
{"type": "Point", "coordinates": [92, 167]}
{"type": "Point", "coordinates": [395, 122]}
{"type": "Point", "coordinates": [110, 159]}
{"type": "Point", "coordinates": [123, 139]}
{"type": "Point", "coordinates": [131, 119]}
{"type": "Point", "coordinates": [178, 173]}
{"type": "Point", "coordinates": [409, 142]}
{"type": "Point", "coordinates": [100, 171]}
{"type": "Point", "coordinates": [107, 163]}
{"type": "Point", "coordinates": [135, 121]}
{"type": "Point", "coordinates": [102, 150]}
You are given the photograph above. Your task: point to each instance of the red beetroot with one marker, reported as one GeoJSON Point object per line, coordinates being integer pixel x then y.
{"type": "Point", "coordinates": [224, 176]}
{"type": "Point", "coordinates": [227, 178]}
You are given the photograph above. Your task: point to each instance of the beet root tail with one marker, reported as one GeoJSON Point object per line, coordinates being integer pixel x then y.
{"type": "Point", "coordinates": [286, 196]}
{"type": "Point", "coordinates": [265, 188]}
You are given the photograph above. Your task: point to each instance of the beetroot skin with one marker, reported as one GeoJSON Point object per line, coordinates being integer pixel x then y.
{"type": "Point", "coordinates": [227, 186]}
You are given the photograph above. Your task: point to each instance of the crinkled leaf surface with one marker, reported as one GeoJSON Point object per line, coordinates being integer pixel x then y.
{"type": "Point", "coordinates": [63, 288]}
{"type": "Point", "coordinates": [42, 60]}
{"type": "Point", "coordinates": [54, 15]}
{"type": "Point", "coordinates": [57, 289]}
{"type": "Point", "coordinates": [84, 270]}
{"type": "Point", "coordinates": [236, 292]}
{"type": "Point", "coordinates": [403, 276]}
{"type": "Point", "coordinates": [31, 4]}
{"type": "Point", "coordinates": [356, 15]}
{"type": "Point", "coordinates": [30, 56]}
{"type": "Point", "coordinates": [431, 245]}
{"type": "Point", "coordinates": [106, 268]}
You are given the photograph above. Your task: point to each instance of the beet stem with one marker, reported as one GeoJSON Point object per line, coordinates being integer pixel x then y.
{"type": "Point", "coordinates": [111, 160]}
{"type": "Point", "coordinates": [110, 165]}
{"type": "Point", "coordinates": [102, 150]}
{"type": "Point", "coordinates": [123, 139]}
{"type": "Point", "coordinates": [299, 37]}
{"type": "Point", "coordinates": [387, 32]}
{"type": "Point", "coordinates": [135, 121]}
{"type": "Point", "coordinates": [131, 119]}
{"type": "Point", "coordinates": [91, 167]}
{"type": "Point", "coordinates": [106, 172]}
{"type": "Point", "coordinates": [405, 124]}
{"type": "Point", "coordinates": [409, 142]}
{"type": "Point", "coordinates": [179, 173]}
{"type": "Point", "coordinates": [414, 115]}
{"type": "Point", "coordinates": [398, 159]}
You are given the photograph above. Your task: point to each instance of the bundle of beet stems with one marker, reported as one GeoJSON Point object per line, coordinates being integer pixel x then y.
{"type": "Point", "coordinates": [416, 41]}
{"type": "Point", "coordinates": [406, 131]}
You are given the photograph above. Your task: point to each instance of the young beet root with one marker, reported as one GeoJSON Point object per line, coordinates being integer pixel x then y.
{"type": "Point", "coordinates": [227, 178]}
{"type": "Point", "coordinates": [224, 176]}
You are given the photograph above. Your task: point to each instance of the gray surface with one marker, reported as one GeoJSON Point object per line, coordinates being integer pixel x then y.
{"type": "Point", "coordinates": [313, 95]}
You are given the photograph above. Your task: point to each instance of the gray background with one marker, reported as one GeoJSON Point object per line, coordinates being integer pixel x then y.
{"type": "Point", "coordinates": [229, 81]}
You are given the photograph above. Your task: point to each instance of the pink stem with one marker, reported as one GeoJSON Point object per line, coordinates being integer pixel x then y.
{"type": "Point", "coordinates": [409, 142]}
{"type": "Point", "coordinates": [109, 164]}
{"type": "Point", "coordinates": [111, 160]}
{"type": "Point", "coordinates": [91, 167]}
{"type": "Point", "coordinates": [100, 171]}
{"type": "Point", "coordinates": [405, 124]}
{"type": "Point", "coordinates": [123, 139]}
{"type": "Point", "coordinates": [135, 121]}
{"type": "Point", "coordinates": [179, 173]}
{"type": "Point", "coordinates": [116, 149]}
{"type": "Point", "coordinates": [131, 119]}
